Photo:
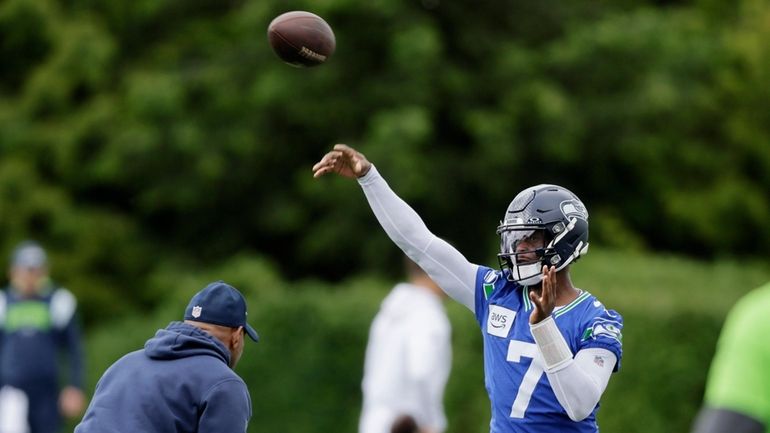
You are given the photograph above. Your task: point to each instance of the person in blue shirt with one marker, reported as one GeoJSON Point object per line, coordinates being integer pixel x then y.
{"type": "Point", "coordinates": [183, 379]}
{"type": "Point", "coordinates": [549, 347]}
{"type": "Point", "coordinates": [37, 325]}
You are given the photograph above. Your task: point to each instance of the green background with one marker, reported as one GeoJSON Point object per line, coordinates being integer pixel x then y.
{"type": "Point", "coordinates": [153, 146]}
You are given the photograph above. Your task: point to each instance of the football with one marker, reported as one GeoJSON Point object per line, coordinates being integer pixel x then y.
{"type": "Point", "coordinates": [301, 38]}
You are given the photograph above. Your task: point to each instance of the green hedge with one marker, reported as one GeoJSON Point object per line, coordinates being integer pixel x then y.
{"type": "Point", "coordinates": [660, 385]}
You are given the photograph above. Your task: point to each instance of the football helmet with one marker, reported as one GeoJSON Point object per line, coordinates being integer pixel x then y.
{"type": "Point", "coordinates": [545, 225]}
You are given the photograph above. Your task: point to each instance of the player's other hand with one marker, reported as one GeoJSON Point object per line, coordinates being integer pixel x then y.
{"type": "Point", "coordinates": [343, 160]}
{"type": "Point", "coordinates": [544, 304]}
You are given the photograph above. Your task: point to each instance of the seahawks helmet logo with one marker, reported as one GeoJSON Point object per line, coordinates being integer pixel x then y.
{"type": "Point", "coordinates": [574, 208]}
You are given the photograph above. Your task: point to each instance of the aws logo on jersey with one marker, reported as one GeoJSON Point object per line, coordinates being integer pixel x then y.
{"type": "Point", "coordinates": [500, 321]}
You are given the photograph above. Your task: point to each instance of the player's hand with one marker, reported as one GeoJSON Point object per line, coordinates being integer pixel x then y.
{"type": "Point", "coordinates": [343, 160]}
{"type": "Point", "coordinates": [544, 303]}
{"type": "Point", "coordinates": [72, 402]}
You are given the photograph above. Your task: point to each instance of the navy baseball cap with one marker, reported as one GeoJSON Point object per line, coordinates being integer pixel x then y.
{"type": "Point", "coordinates": [220, 304]}
{"type": "Point", "coordinates": [29, 254]}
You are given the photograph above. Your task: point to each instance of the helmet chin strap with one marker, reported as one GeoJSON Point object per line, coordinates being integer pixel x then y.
{"type": "Point", "coordinates": [531, 274]}
{"type": "Point", "coordinates": [528, 275]}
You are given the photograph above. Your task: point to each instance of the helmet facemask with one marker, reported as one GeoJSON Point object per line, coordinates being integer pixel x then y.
{"type": "Point", "coordinates": [523, 251]}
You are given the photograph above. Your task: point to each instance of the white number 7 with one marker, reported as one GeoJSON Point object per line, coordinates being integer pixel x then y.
{"type": "Point", "coordinates": [517, 350]}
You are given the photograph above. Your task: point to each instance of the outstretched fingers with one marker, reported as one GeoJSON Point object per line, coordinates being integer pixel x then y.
{"type": "Point", "coordinates": [344, 148]}
{"type": "Point", "coordinates": [544, 301]}
{"type": "Point", "coordinates": [549, 281]}
{"type": "Point", "coordinates": [355, 159]}
{"type": "Point", "coordinates": [329, 163]}
{"type": "Point", "coordinates": [343, 160]}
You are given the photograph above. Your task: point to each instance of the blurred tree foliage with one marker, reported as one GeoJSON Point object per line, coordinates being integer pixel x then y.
{"type": "Point", "coordinates": [148, 137]}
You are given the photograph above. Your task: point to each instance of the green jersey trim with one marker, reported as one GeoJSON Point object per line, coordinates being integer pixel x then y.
{"type": "Point", "coordinates": [525, 299]}
{"type": "Point", "coordinates": [567, 308]}
{"type": "Point", "coordinates": [488, 289]}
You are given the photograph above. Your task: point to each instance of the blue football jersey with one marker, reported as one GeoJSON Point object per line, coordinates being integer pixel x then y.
{"type": "Point", "coordinates": [520, 393]}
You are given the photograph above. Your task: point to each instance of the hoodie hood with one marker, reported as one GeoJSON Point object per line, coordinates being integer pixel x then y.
{"type": "Point", "coordinates": [180, 340]}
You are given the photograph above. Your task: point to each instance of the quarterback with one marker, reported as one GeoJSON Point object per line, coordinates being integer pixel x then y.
{"type": "Point", "coordinates": [549, 347]}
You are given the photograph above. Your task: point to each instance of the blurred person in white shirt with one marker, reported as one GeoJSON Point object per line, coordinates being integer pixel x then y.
{"type": "Point", "coordinates": [408, 357]}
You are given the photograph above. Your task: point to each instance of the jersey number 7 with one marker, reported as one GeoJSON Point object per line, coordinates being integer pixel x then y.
{"type": "Point", "coordinates": [516, 351]}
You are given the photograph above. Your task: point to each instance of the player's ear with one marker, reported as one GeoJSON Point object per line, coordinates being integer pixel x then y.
{"type": "Point", "coordinates": [237, 336]}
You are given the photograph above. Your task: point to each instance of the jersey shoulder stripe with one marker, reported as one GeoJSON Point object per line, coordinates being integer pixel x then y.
{"type": "Point", "coordinates": [571, 306]}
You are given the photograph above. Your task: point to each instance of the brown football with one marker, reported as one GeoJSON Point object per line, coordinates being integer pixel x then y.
{"type": "Point", "coordinates": [301, 38]}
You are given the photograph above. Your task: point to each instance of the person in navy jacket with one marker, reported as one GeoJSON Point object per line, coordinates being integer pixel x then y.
{"type": "Point", "coordinates": [182, 381]}
{"type": "Point", "coordinates": [38, 330]}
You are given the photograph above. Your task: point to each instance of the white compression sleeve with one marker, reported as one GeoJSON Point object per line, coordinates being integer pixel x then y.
{"type": "Point", "coordinates": [579, 385]}
{"type": "Point", "coordinates": [443, 263]}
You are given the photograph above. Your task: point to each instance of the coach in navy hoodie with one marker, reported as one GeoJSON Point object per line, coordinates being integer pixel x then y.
{"type": "Point", "coordinates": [182, 381]}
